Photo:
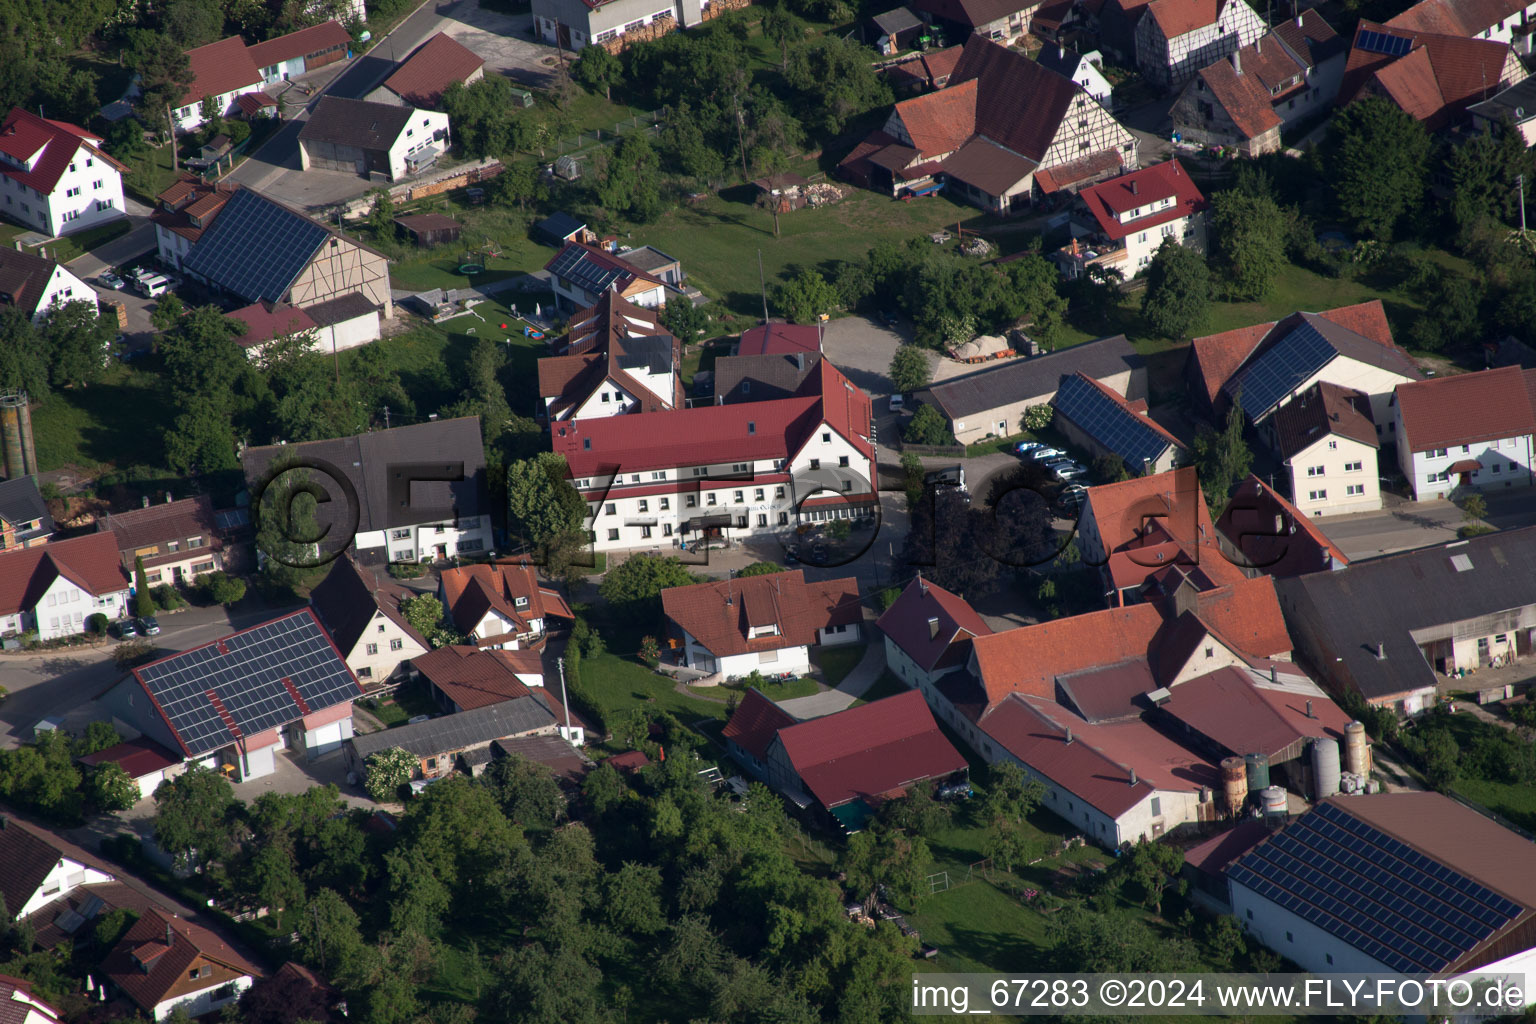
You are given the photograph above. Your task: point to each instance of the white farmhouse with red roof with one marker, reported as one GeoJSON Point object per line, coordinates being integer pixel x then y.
{"type": "Point", "coordinates": [1471, 430]}
{"type": "Point", "coordinates": [659, 479]}
{"type": "Point", "coordinates": [55, 177]}
{"type": "Point", "coordinates": [55, 589]}
{"type": "Point", "coordinates": [1132, 214]}
{"type": "Point", "coordinates": [229, 69]}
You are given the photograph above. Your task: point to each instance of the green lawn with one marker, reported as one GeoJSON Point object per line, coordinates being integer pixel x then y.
{"type": "Point", "coordinates": [150, 174]}
{"type": "Point", "coordinates": [115, 423]}
{"type": "Point", "coordinates": [837, 662]}
{"type": "Point", "coordinates": [617, 684]}
{"type": "Point", "coordinates": [718, 238]}
{"type": "Point", "coordinates": [980, 929]}
{"type": "Point", "coordinates": [888, 685]}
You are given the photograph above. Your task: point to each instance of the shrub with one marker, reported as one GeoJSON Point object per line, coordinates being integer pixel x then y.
{"type": "Point", "coordinates": [167, 598]}
{"type": "Point", "coordinates": [97, 623]}
{"type": "Point", "coordinates": [387, 771]}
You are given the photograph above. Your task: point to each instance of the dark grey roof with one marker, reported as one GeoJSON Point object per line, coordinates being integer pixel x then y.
{"type": "Point", "coordinates": [557, 227]}
{"type": "Point", "coordinates": [761, 378]}
{"type": "Point", "coordinates": [647, 258]}
{"type": "Point", "coordinates": [248, 682]}
{"type": "Point", "coordinates": [341, 309]}
{"type": "Point", "coordinates": [356, 123]}
{"type": "Point", "coordinates": [1059, 59]}
{"type": "Point", "coordinates": [1344, 614]}
{"type": "Point", "coordinates": [653, 352]}
{"type": "Point", "coordinates": [348, 597]}
{"type": "Point", "coordinates": [899, 20]}
{"type": "Point", "coordinates": [256, 247]}
{"type": "Point", "coordinates": [366, 460]}
{"type": "Point", "coordinates": [1518, 103]}
{"type": "Point", "coordinates": [1020, 379]}
{"type": "Point", "coordinates": [461, 731]}
{"type": "Point", "coordinates": [22, 502]}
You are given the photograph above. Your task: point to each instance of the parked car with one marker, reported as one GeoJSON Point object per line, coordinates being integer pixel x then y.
{"type": "Point", "coordinates": [153, 286]}
{"type": "Point", "coordinates": [107, 279]}
{"type": "Point", "coordinates": [148, 625]}
{"type": "Point", "coordinates": [127, 629]}
{"type": "Point", "coordinates": [1044, 454]}
{"type": "Point", "coordinates": [898, 402]}
{"type": "Point", "coordinates": [949, 476]}
{"type": "Point", "coordinates": [1069, 471]}
{"type": "Point", "coordinates": [957, 791]}
{"type": "Point", "coordinates": [1025, 447]}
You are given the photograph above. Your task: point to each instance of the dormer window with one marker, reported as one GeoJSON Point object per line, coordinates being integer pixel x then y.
{"type": "Point", "coordinates": [520, 602]}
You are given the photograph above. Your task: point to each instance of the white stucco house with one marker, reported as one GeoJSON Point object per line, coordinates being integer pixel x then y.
{"type": "Point", "coordinates": [1176, 38]}
{"type": "Point", "coordinates": [54, 589]}
{"type": "Point", "coordinates": [1470, 430]}
{"type": "Point", "coordinates": [361, 611]}
{"type": "Point", "coordinates": [766, 624]}
{"type": "Point", "coordinates": [164, 963]}
{"type": "Point", "coordinates": [1081, 68]}
{"type": "Point", "coordinates": [55, 177]}
{"type": "Point", "coordinates": [36, 285]}
{"type": "Point", "coordinates": [502, 605]}
{"type": "Point", "coordinates": [372, 138]}
{"type": "Point", "coordinates": [37, 872]}
{"type": "Point", "coordinates": [1329, 446]}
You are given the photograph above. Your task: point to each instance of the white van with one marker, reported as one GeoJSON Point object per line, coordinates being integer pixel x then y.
{"type": "Point", "coordinates": [154, 285]}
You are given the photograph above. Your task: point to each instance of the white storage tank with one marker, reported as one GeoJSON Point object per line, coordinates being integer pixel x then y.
{"type": "Point", "coordinates": [1325, 767]}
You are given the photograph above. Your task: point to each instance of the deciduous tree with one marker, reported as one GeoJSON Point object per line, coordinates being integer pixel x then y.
{"type": "Point", "coordinates": [911, 369]}
{"type": "Point", "coordinates": [1222, 459]}
{"type": "Point", "coordinates": [194, 816]}
{"type": "Point", "coordinates": [1178, 294]}
{"type": "Point", "coordinates": [805, 298]}
{"type": "Point", "coordinates": [597, 70]}
{"type": "Point", "coordinates": [1251, 232]}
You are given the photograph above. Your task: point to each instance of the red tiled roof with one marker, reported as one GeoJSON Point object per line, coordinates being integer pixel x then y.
{"type": "Point", "coordinates": [1243, 97]}
{"type": "Point", "coordinates": [939, 122]}
{"type": "Point", "coordinates": [265, 320]}
{"type": "Point", "coordinates": [90, 562]}
{"type": "Point", "coordinates": [1175, 18]}
{"type": "Point", "coordinates": [1437, 79]}
{"type": "Point", "coordinates": [1076, 172]}
{"type": "Point", "coordinates": [470, 590]}
{"type": "Point", "coordinates": [1367, 319]}
{"type": "Point", "coordinates": [941, 64]}
{"type": "Point", "coordinates": [720, 614]}
{"type": "Point", "coordinates": [189, 198]}
{"type": "Point", "coordinates": [1456, 17]}
{"type": "Point", "coordinates": [973, 13]}
{"type": "Point", "coordinates": [775, 338]}
{"type": "Point", "coordinates": [473, 678]}
{"type": "Point", "coordinates": [870, 750]}
{"type": "Point", "coordinates": [253, 103]}
{"type": "Point", "coordinates": [1168, 180]}
{"type": "Point", "coordinates": [702, 435]}
{"type": "Point", "coordinates": [1119, 510]}
{"type": "Point", "coordinates": [1321, 410]}
{"type": "Point", "coordinates": [138, 758]}
{"type": "Point", "coordinates": [221, 67]}
{"type": "Point", "coordinates": [150, 986]}
{"type": "Point", "coordinates": [24, 134]}
{"type": "Point", "coordinates": [1027, 660]}
{"type": "Point", "coordinates": [907, 623]}
{"type": "Point", "coordinates": [20, 1005]}
{"type": "Point", "coordinates": [1096, 765]}
{"type": "Point", "coordinates": [629, 761]}
{"type": "Point", "coordinates": [1464, 409]}
{"type": "Point", "coordinates": [437, 64]}
{"type": "Point", "coordinates": [1249, 522]}
{"type": "Point", "coordinates": [755, 722]}
{"type": "Point", "coordinates": [1020, 104]}
{"type": "Point", "coordinates": [1213, 855]}
{"type": "Point", "coordinates": [328, 35]}
{"type": "Point", "coordinates": [1230, 708]}
{"type": "Point", "coordinates": [156, 524]}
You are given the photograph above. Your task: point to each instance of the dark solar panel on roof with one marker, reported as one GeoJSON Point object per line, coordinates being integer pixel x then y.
{"type": "Point", "coordinates": [1281, 368]}
{"type": "Point", "coordinates": [256, 248]}
{"type": "Point", "coordinates": [1392, 902]}
{"type": "Point", "coordinates": [574, 263]}
{"type": "Point", "coordinates": [1112, 425]}
{"type": "Point", "coordinates": [1381, 42]}
{"type": "Point", "coordinates": [248, 682]}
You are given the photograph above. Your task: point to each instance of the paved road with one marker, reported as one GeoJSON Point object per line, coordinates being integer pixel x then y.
{"type": "Point", "coordinates": [1404, 524]}
{"type": "Point", "coordinates": [66, 682]}
{"type": "Point", "coordinates": [854, 685]}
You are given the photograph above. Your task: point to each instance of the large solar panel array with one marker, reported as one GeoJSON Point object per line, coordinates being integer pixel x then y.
{"type": "Point", "coordinates": [1380, 895]}
{"type": "Point", "coordinates": [1111, 424]}
{"type": "Point", "coordinates": [1280, 368]}
{"type": "Point", "coordinates": [1381, 42]}
{"type": "Point", "coordinates": [256, 248]}
{"type": "Point", "coordinates": [247, 676]}
{"type": "Point", "coordinates": [574, 264]}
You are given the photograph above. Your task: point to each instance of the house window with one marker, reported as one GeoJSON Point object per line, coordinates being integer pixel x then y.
{"type": "Point", "coordinates": [666, 503]}
{"type": "Point", "coordinates": [371, 649]}
{"type": "Point", "coordinates": [194, 542]}
{"type": "Point", "coordinates": [1353, 467]}
{"type": "Point", "coordinates": [847, 486]}
{"type": "Point", "coordinates": [691, 500]}
{"type": "Point", "coordinates": [1318, 495]}
{"type": "Point", "coordinates": [381, 627]}
{"type": "Point", "coordinates": [757, 495]}
{"type": "Point", "coordinates": [842, 460]}
{"type": "Point", "coordinates": [610, 508]}
{"type": "Point", "coordinates": [1314, 471]}
{"type": "Point", "coordinates": [736, 496]}
{"type": "Point", "coordinates": [1289, 937]}
{"type": "Point", "coordinates": [645, 532]}
{"type": "Point", "coordinates": [815, 463]}
{"type": "Point", "coordinates": [1438, 453]}
{"type": "Point", "coordinates": [397, 644]}
{"type": "Point", "coordinates": [740, 467]}
{"type": "Point", "coordinates": [711, 499]}
{"type": "Point", "coordinates": [1157, 807]}
{"type": "Point", "coordinates": [644, 505]}
{"type": "Point", "coordinates": [604, 397]}
{"type": "Point", "coordinates": [762, 520]}
{"type": "Point", "coordinates": [1498, 467]}
{"type": "Point", "coordinates": [666, 529]}
{"type": "Point", "coordinates": [659, 475]}
{"type": "Point", "coordinates": [613, 534]}
{"type": "Point", "coordinates": [400, 534]}
{"type": "Point", "coordinates": [1328, 955]}
{"type": "Point", "coordinates": [778, 492]}
{"type": "Point", "coordinates": [1354, 490]}
{"type": "Point", "coordinates": [1250, 915]}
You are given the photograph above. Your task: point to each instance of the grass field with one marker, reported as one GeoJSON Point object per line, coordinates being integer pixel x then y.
{"type": "Point", "coordinates": [1513, 801]}
{"type": "Point", "coordinates": [114, 423]}
{"type": "Point", "coordinates": [888, 685]}
{"type": "Point", "coordinates": [837, 662]}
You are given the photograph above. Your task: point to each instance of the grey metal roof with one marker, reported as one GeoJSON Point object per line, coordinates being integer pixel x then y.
{"type": "Point", "coordinates": [357, 123]}
{"type": "Point", "coordinates": [901, 19]}
{"type": "Point", "coordinates": [375, 464]}
{"type": "Point", "coordinates": [647, 258]}
{"type": "Point", "coordinates": [761, 378]}
{"type": "Point", "coordinates": [22, 502]}
{"type": "Point", "coordinates": [1343, 615]}
{"type": "Point", "coordinates": [1518, 103]}
{"type": "Point", "coordinates": [1021, 379]}
{"type": "Point", "coordinates": [341, 309]}
{"type": "Point", "coordinates": [460, 731]}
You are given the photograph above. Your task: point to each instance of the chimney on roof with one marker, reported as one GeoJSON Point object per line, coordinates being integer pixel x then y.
{"type": "Point", "coordinates": [167, 497]}
{"type": "Point", "coordinates": [1134, 186]}
{"type": "Point", "coordinates": [1258, 45]}
{"type": "Point", "coordinates": [933, 628]}
{"type": "Point", "coordinates": [1381, 652]}
{"type": "Point", "coordinates": [1309, 708]}
{"type": "Point", "coordinates": [1133, 776]}
{"type": "Point", "coordinates": [1237, 61]}
{"type": "Point", "coordinates": [1274, 677]}
{"type": "Point", "coordinates": [170, 935]}
{"type": "Point", "coordinates": [1298, 21]}
{"type": "Point", "coordinates": [1069, 737]}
